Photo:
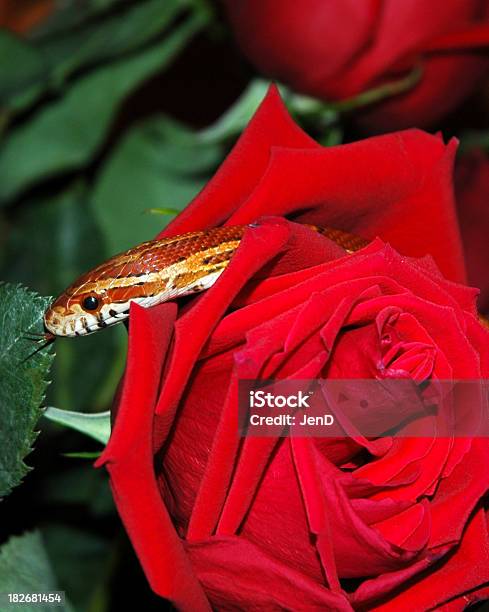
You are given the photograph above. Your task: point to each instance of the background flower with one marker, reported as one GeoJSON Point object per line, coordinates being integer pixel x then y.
{"type": "Point", "coordinates": [334, 50]}
{"type": "Point", "coordinates": [398, 518]}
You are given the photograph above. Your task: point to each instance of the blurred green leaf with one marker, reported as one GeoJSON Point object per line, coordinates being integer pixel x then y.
{"type": "Point", "coordinates": [233, 122]}
{"type": "Point", "coordinates": [96, 426]}
{"type": "Point", "coordinates": [25, 568]}
{"type": "Point", "coordinates": [52, 240]}
{"type": "Point", "coordinates": [118, 33]}
{"type": "Point", "coordinates": [91, 490]}
{"type": "Point", "coordinates": [23, 381]}
{"type": "Point", "coordinates": [23, 67]}
{"type": "Point", "coordinates": [473, 139]}
{"type": "Point", "coordinates": [70, 14]}
{"type": "Point", "coordinates": [162, 211]}
{"type": "Point", "coordinates": [50, 243]}
{"type": "Point", "coordinates": [66, 133]}
{"type": "Point", "coordinates": [81, 562]}
{"type": "Point", "coordinates": [87, 370]}
{"type": "Point", "coordinates": [332, 137]}
{"type": "Point", "coordinates": [159, 164]}
{"type": "Point", "coordinates": [82, 455]}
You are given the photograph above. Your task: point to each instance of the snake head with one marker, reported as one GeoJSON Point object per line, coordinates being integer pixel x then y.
{"type": "Point", "coordinates": [76, 314]}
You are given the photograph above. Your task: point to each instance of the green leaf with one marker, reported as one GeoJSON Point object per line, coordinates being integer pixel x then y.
{"type": "Point", "coordinates": [168, 210]}
{"type": "Point", "coordinates": [23, 67]}
{"type": "Point", "coordinates": [66, 133]}
{"type": "Point", "coordinates": [91, 490]}
{"type": "Point", "coordinates": [23, 382]}
{"type": "Point", "coordinates": [51, 242]}
{"type": "Point", "coordinates": [95, 426]}
{"type": "Point", "coordinates": [71, 14]}
{"type": "Point", "coordinates": [25, 568]}
{"type": "Point", "coordinates": [82, 455]}
{"type": "Point", "coordinates": [120, 32]}
{"type": "Point", "coordinates": [233, 122]}
{"type": "Point", "coordinates": [473, 139]}
{"type": "Point", "coordinates": [47, 231]}
{"type": "Point", "coordinates": [159, 164]}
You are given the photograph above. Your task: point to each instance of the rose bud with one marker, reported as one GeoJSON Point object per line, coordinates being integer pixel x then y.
{"type": "Point", "coordinates": [334, 50]}
{"type": "Point", "coordinates": [293, 523]}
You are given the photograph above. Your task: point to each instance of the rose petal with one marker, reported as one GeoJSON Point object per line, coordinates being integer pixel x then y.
{"type": "Point", "coordinates": [129, 461]}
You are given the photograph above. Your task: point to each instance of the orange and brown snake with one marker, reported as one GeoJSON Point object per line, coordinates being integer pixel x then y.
{"type": "Point", "coordinates": [154, 272]}
{"type": "Point", "coordinates": [151, 273]}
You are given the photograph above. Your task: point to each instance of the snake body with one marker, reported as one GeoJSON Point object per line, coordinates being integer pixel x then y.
{"type": "Point", "coordinates": [151, 273]}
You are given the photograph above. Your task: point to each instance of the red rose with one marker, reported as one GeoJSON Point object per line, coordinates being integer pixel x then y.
{"type": "Point", "coordinates": [311, 523]}
{"type": "Point", "coordinates": [336, 49]}
{"type": "Point", "coordinates": [472, 183]}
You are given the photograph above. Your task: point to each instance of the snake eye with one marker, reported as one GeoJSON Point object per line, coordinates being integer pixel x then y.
{"type": "Point", "coordinates": [90, 303]}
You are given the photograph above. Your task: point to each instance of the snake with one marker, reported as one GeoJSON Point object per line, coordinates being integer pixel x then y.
{"type": "Point", "coordinates": [154, 272]}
